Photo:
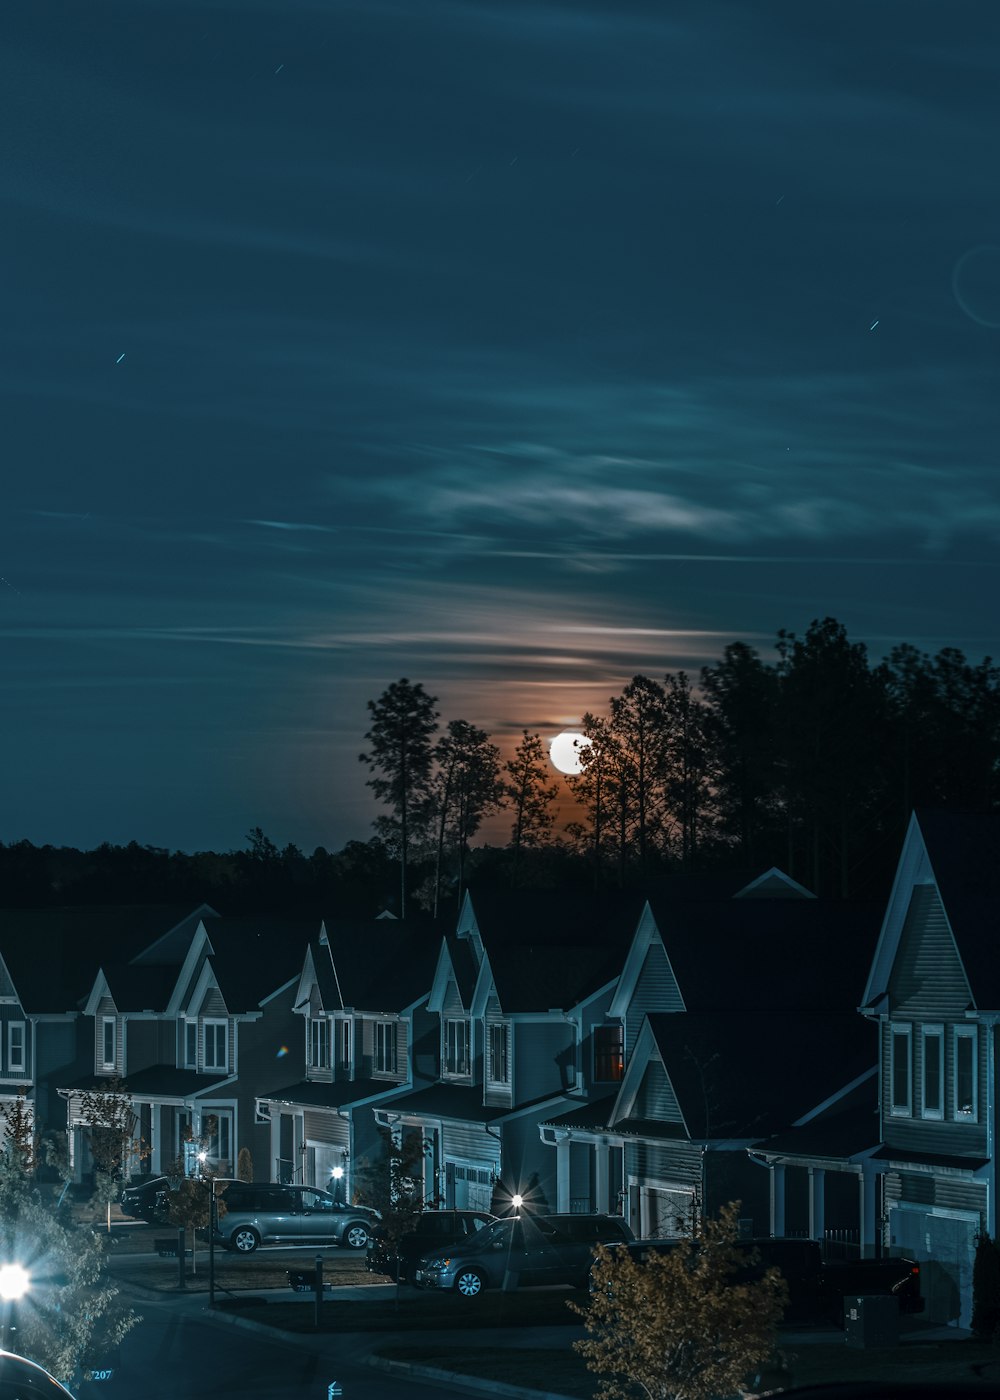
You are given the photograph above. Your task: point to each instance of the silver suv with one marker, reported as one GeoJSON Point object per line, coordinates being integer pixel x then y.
{"type": "Point", "coordinates": [270, 1213]}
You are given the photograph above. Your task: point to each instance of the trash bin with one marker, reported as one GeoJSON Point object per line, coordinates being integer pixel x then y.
{"type": "Point", "coordinates": [871, 1320]}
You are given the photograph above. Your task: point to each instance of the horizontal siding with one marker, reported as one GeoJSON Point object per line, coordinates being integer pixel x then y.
{"type": "Point", "coordinates": [656, 1098]}
{"type": "Point", "coordinates": [469, 1142]}
{"type": "Point", "coordinates": [327, 1128]}
{"type": "Point", "coordinates": [655, 990]}
{"type": "Point", "coordinates": [925, 1189]}
{"type": "Point", "coordinates": [928, 978]}
{"type": "Point", "coordinates": [676, 1162]}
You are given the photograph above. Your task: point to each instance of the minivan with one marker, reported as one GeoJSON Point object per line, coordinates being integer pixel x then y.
{"type": "Point", "coordinates": [272, 1213]}
{"type": "Point", "coordinates": [432, 1230]}
{"type": "Point", "coordinates": [523, 1251]}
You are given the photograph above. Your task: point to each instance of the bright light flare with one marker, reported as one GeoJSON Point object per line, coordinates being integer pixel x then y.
{"type": "Point", "coordinates": [517, 1201]}
{"type": "Point", "coordinates": [14, 1282]}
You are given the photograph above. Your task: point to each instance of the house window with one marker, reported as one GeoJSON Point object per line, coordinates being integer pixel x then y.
{"type": "Point", "coordinates": [217, 1136]}
{"type": "Point", "coordinates": [499, 1064]}
{"type": "Point", "coordinates": [900, 1073]}
{"type": "Point", "coordinates": [319, 1042]}
{"type": "Point", "coordinates": [345, 1044]}
{"type": "Point", "coordinates": [191, 1044]}
{"type": "Point", "coordinates": [965, 1075]}
{"type": "Point", "coordinates": [456, 1047]}
{"type": "Point", "coordinates": [609, 1053]}
{"type": "Point", "coordinates": [933, 1072]}
{"type": "Point", "coordinates": [385, 1047]}
{"type": "Point", "coordinates": [108, 1042]}
{"type": "Point", "coordinates": [216, 1044]}
{"type": "Point", "coordinates": [15, 1047]}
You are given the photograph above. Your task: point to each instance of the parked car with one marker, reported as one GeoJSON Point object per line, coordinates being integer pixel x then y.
{"type": "Point", "coordinates": [433, 1229]}
{"type": "Point", "coordinates": [816, 1289]}
{"type": "Point", "coordinates": [145, 1200]}
{"type": "Point", "coordinates": [522, 1252]}
{"type": "Point", "coordinates": [21, 1379]}
{"type": "Point", "coordinates": [272, 1213]}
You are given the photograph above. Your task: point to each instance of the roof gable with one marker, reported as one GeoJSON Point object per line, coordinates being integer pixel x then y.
{"type": "Point", "coordinates": [647, 938]}
{"type": "Point", "coordinates": [774, 884]}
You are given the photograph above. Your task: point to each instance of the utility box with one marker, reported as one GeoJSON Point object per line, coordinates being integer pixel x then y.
{"type": "Point", "coordinates": [871, 1320]}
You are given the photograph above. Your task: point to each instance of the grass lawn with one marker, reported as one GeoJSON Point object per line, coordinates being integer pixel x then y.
{"type": "Point", "coordinates": [564, 1373]}
{"type": "Point", "coordinates": [420, 1312]}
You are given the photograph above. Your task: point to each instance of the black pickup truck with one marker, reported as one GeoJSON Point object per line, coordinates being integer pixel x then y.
{"type": "Point", "coordinates": [816, 1290]}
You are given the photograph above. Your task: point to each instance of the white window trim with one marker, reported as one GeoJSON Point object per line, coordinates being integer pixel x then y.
{"type": "Point", "coordinates": [189, 1024]}
{"type": "Point", "coordinates": [107, 1021]}
{"type": "Point", "coordinates": [927, 1033]}
{"type": "Point", "coordinates": [901, 1028]}
{"type": "Point", "coordinates": [388, 1033]}
{"type": "Point", "coordinates": [971, 1034]}
{"type": "Point", "coordinates": [319, 1030]}
{"type": "Point", "coordinates": [210, 1023]}
{"type": "Point", "coordinates": [500, 1080]}
{"type": "Point", "coordinates": [20, 1066]}
{"type": "Point", "coordinates": [345, 1043]}
{"type": "Point", "coordinates": [457, 1073]}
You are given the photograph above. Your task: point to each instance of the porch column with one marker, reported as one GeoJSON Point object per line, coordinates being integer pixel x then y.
{"type": "Point", "coordinates": [562, 1174]}
{"type": "Point", "coordinates": [817, 1202]}
{"type": "Point", "coordinates": [777, 1198]}
{"type": "Point", "coordinates": [275, 1122]}
{"type": "Point", "coordinates": [602, 1176]}
{"type": "Point", "coordinates": [867, 1191]}
{"type": "Point", "coordinates": [298, 1148]}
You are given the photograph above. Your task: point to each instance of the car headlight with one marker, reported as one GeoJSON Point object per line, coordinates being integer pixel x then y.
{"type": "Point", "coordinates": [436, 1265]}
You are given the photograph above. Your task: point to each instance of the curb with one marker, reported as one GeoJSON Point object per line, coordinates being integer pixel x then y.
{"type": "Point", "coordinates": [460, 1379]}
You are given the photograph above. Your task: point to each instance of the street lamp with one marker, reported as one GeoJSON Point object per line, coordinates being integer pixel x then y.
{"type": "Point", "coordinates": [15, 1281]}
{"type": "Point", "coordinates": [213, 1216]}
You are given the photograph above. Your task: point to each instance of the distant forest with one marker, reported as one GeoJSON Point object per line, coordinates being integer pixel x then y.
{"type": "Point", "coordinates": [811, 762]}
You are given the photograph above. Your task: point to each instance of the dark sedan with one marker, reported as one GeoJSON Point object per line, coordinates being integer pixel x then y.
{"type": "Point", "coordinates": [146, 1200]}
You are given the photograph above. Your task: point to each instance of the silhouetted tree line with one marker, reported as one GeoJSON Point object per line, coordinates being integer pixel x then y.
{"type": "Point", "coordinates": [812, 761]}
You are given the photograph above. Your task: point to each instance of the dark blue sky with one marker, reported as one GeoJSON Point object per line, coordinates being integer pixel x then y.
{"type": "Point", "coordinates": [511, 347]}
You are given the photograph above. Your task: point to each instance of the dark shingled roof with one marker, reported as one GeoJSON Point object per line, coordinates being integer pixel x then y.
{"type": "Point", "coordinates": [254, 955]}
{"type": "Point", "coordinates": [139, 987]}
{"type": "Point", "coordinates": [593, 1116]}
{"type": "Point", "coordinates": [159, 1081]}
{"type": "Point", "coordinates": [53, 954]}
{"type": "Point", "coordinates": [771, 953]}
{"type": "Point", "coordinates": [964, 852]}
{"type": "Point", "coordinates": [383, 964]}
{"type": "Point", "coordinates": [847, 1128]}
{"type": "Point", "coordinates": [336, 1095]}
{"type": "Point", "coordinates": [746, 1075]}
{"type": "Point", "coordinates": [456, 1101]}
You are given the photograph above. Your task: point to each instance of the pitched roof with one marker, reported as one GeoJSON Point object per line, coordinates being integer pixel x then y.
{"type": "Point", "coordinates": [255, 955]}
{"type": "Point", "coordinates": [746, 1075]}
{"type": "Point", "coordinates": [383, 964]}
{"type": "Point", "coordinates": [456, 1101]}
{"type": "Point", "coordinates": [313, 1094]}
{"type": "Point", "coordinates": [53, 954]}
{"type": "Point", "coordinates": [848, 1127]}
{"type": "Point", "coordinates": [138, 987]}
{"type": "Point", "coordinates": [964, 853]}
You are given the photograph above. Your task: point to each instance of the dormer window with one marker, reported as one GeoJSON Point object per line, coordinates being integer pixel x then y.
{"type": "Point", "coordinates": [345, 1045]}
{"type": "Point", "coordinates": [499, 1054]}
{"type": "Point", "coordinates": [966, 1086]}
{"type": "Point", "coordinates": [609, 1053]}
{"type": "Point", "coordinates": [216, 1044]}
{"type": "Point", "coordinates": [109, 1041]}
{"type": "Point", "coordinates": [456, 1047]}
{"type": "Point", "coordinates": [15, 1047]}
{"type": "Point", "coordinates": [900, 1070]}
{"type": "Point", "coordinates": [385, 1047]}
{"type": "Point", "coordinates": [319, 1042]}
{"type": "Point", "coordinates": [191, 1044]}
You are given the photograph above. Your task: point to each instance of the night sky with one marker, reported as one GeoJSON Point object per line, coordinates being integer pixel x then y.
{"type": "Point", "coordinates": [510, 347]}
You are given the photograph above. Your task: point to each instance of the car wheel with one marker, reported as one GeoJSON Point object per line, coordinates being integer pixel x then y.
{"type": "Point", "coordinates": [356, 1236]}
{"type": "Point", "coordinates": [245, 1240]}
{"type": "Point", "coordinates": [469, 1283]}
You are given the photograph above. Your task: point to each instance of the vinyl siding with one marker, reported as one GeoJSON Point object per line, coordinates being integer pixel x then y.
{"type": "Point", "coordinates": [327, 1128]}
{"type": "Point", "coordinates": [925, 1189]}
{"type": "Point", "coordinates": [656, 1098]}
{"type": "Point", "coordinates": [667, 1162]}
{"type": "Point", "coordinates": [928, 979]}
{"type": "Point", "coordinates": [655, 990]}
{"type": "Point", "coordinates": [469, 1142]}
{"type": "Point", "coordinates": [496, 1093]}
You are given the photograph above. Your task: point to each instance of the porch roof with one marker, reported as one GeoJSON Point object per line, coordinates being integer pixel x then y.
{"type": "Point", "coordinates": [460, 1102]}
{"type": "Point", "coordinates": [309, 1093]}
{"type": "Point", "coordinates": [157, 1082]}
{"type": "Point", "coordinates": [591, 1116]}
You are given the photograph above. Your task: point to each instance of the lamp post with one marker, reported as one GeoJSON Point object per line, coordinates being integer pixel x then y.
{"type": "Point", "coordinates": [15, 1282]}
{"type": "Point", "coordinates": [213, 1217]}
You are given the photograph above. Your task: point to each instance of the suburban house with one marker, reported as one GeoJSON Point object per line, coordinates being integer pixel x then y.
{"type": "Point", "coordinates": [194, 1026]}
{"type": "Point", "coordinates": [510, 1039]}
{"type": "Point", "coordinates": [48, 959]}
{"type": "Point", "coordinates": [365, 1033]}
{"type": "Point", "coordinates": [933, 992]}
{"type": "Point", "coordinates": [730, 1018]}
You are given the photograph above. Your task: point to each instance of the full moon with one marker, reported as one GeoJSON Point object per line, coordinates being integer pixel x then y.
{"type": "Point", "coordinates": [564, 751]}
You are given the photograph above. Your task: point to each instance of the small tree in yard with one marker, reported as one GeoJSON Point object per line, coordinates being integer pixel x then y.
{"type": "Point", "coordinates": [680, 1326]}
{"type": "Point", "coordinates": [110, 1123]}
{"type": "Point", "coordinates": [391, 1183]}
{"type": "Point", "coordinates": [71, 1312]}
{"type": "Point", "coordinates": [244, 1165]}
{"type": "Point", "coordinates": [18, 1138]}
